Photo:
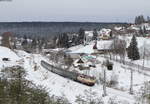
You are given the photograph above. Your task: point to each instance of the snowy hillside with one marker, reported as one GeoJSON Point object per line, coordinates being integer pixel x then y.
{"type": "Point", "coordinates": [7, 53]}
{"type": "Point", "coordinates": [60, 86]}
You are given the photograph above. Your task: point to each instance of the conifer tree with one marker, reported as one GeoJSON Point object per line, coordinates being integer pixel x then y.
{"type": "Point", "coordinates": [148, 19]}
{"type": "Point", "coordinates": [81, 35]}
{"type": "Point", "coordinates": [141, 32]}
{"type": "Point", "coordinates": [133, 52]}
{"type": "Point", "coordinates": [95, 34]}
{"type": "Point", "coordinates": [144, 30]}
{"type": "Point", "coordinates": [34, 43]}
{"type": "Point", "coordinates": [65, 39]}
{"type": "Point", "coordinates": [25, 43]}
{"type": "Point", "coordinates": [140, 19]}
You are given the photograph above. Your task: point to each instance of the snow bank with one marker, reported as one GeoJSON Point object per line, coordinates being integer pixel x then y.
{"type": "Point", "coordinates": [7, 53]}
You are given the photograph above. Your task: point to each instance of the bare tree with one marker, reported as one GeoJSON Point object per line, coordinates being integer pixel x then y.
{"type": "Point", "coordinates": [7, 39]}
{"type": "Point", "coordinates": [119, 48]}
{"type": "Point", "coordinates": [143, 96]}
{"type": "Point", "coordinates": [68, 61]}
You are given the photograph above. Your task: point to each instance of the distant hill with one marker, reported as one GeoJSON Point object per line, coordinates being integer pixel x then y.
{"type": "Point", "coordinates": [50, 28]}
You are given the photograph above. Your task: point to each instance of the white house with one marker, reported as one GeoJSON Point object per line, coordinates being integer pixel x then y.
{"type": "Point", "coordinates": [104, 34]}
{"type": "Point", "coordinates": [85, 62]}
{"type": "Point", "coordinates": [102, 46]}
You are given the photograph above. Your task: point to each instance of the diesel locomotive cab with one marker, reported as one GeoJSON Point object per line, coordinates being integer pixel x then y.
{"type": "Point", "coordinates": [86, 79]}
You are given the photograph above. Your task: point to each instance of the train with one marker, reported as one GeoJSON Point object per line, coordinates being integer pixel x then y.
{"type": "Point", "coordinates": [81, 78]}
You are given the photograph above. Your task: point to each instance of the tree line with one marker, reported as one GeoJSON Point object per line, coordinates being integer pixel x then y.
{"type": "Point", "coordinates": [50, 28]}
{"type": "Point", "coordinates": [141, 19]}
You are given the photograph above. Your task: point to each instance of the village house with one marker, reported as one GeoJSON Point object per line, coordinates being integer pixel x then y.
{"type": "Point", "coordinates": [104, 34]}
{"type": "Point", "coordinates": [101, 47]}
{"type": "Point", "coordinates": [85, 62]}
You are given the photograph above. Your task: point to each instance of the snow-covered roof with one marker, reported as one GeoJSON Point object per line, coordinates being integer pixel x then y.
{"type": "Point", "coordinates": [53, 50]}
{"type": "Point", "coordinates": [134, 27]}
{"type": "Point", "coordinates": [137, 27]}
{"type": "Point", "coordinates": [84, 49]}
{"type": "Point", "coordinates": [105, 31]}
{"type": "Point", "coordinates": [88, 49]}
{"type": "Point", "coordinates": [89, 33]}
{"type": "Point", "coordinates": [80, 61]}
{"type": "Point", "coordinates": [118, 28]}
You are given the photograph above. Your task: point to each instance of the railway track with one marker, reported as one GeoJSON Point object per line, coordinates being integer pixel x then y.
{"type": "Point", "coordinates": [84, 79]}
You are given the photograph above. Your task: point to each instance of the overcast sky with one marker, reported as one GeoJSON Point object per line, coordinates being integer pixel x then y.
{"type": "Point", "coordinates": [73, 10]}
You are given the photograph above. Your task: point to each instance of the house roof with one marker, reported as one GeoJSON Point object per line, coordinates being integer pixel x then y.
{"type": "Point", "coordinates": [80, 61]}
{"type": "Point", "coordinates": [88, 49]}
{"type": "Point", "coordinates": [89, 33]}
{"type": "Point", "coordinates": [7, 34]}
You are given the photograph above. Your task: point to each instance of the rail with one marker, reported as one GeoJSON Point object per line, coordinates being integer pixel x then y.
{"type": "Point", "coordinates": [129, 64]}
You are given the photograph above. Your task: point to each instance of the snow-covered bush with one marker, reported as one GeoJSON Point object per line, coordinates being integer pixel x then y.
{"type": "Point", "coordinates": [113, 81]}
{"type": "Point", "coordinates": [112, 101]}
{"type": "Point", "coordinates": [100, 78]}
{"type": "Point", "coordinates": [115, 100]}
{"type": "Point", "coordinates": [89, 98]}
{"type": "Point", "coordinates": [145, 50]}
{"type": "Point", "coordinates": [13, 72]}
{"type": "Point", "coordinates": [59, 100]}
{"type": "Point", "coordinates": [143, 96]}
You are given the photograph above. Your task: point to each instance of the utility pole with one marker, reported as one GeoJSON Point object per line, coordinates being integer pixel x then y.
{"type": "Point", "coordinates": [106, 64]}
{"type": "Point", "coordinates": [104, 84]}
{"type": "Point", "coordinates": [144, 56]}
{"type": "Point", "coordinates": [143, 67]}
{"type": "Point", "coordinates": [131, 82]}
